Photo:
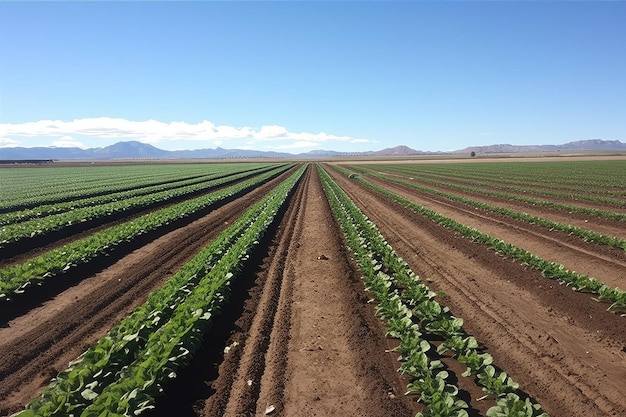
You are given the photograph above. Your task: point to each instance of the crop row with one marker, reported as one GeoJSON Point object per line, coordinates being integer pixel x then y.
{"type": "Point", "coordinates": [124, 371]}
{"type": "Point", "coordinates": [31, 229]}
{"type": "Point", "coordinates": [18, 278]}
{"type": "Point", "coordinates": [526, 182]}
{"type": "Point", "coordinates": [606, 175]}
{"type": "Point", "coordinates": [551, 270]}
{"type": "Point", "coordinates": [59, 207]}
{"type": "Point", "coordinates": [409, 310]}
{"type": "Point", "coordinates": [31, 187]}
{"type": "Point", "coordinates": [529, 200]}
{"type": "Point", "coordinates": [585, 234]}
{"type": "Point", "coordinates": [526, 189]}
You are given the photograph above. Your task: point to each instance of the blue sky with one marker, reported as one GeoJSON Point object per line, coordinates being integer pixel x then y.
{"type": "Point", "coordinates": [298, 76]}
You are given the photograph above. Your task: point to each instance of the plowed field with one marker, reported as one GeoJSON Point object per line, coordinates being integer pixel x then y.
{"type": "Point", "coordinates": [299, 337]}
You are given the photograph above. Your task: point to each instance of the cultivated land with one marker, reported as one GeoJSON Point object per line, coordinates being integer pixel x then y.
{"type": "Point", "coordinates": [294, 332]}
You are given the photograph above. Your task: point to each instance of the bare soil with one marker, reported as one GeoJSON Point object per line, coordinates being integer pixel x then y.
{"type": "Point", "coordinates": [562, 347]}
{"type": "Point", "coordinates": [599, 261]}
{"type": "Point", "coordinates": [306, 341]}
{"type": "Point", "coordinates": [300, 337]}
{"type": "Point", "coordinates": [38, 344]}
{"type": "Point", "coordinates": [585, 221]}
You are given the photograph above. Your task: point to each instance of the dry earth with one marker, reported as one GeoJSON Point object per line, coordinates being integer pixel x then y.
{"type": "Point", "coordinates": [302, 337]}
{"type": "Point", "coordinates": [37, 344]}
{"type": "Point", "coordinates": [562, 347]}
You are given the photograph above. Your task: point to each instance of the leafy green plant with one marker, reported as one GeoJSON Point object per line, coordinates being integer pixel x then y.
{"type": "Point", "coordinates": [41, 225]}
{"type": "Point", "coordinates": [496, 383]}
{"type": "Point", "coordinates": [551, 270]}
{"type": "Point", "coordinates": [393, 286]}
{"type": "Point", "coordinates": [17, 279]}
{"type": "Point", "coordinates": [512, 406]}
{"type": "Point", "coordinates": [124, 371]}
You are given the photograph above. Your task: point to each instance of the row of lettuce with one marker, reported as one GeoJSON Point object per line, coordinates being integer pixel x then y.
{"type": "Point", "coordinates": [541, 189]}
{"type": "Point", "coordinates": [615, 297]}
{"type": "Point", "coordinates": [585, 234]}
{"type": "Point", "coordinates": [29, 225]}
{"type": "Point", "coordinates": [111, 190]}
{"type": "Point", "coordinates": [123, 373]}
{"type": "Point", "coordinates": [601, 177]}
{"type": "Point", "coordinates": [17, 279]}
{"type": "Point", "coordinates": [24, 188]}
{"type": "Point", "coordinates": [522, 194]}
{"type": "Point", "coordinates": [411, 313]}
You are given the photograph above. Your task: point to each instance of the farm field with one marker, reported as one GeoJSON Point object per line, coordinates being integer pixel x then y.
{"type": "Point", "coordinates": [272, 294]}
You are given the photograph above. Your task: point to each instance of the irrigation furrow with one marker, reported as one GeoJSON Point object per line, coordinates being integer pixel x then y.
{"type": "Point", "coordinates": [323, 352]}
{"type": "Point", "coordinates": [561, 205]}
{"type": "Point", "coordinates": [40, 343]}
{"type": "Point", "coordinates": [255, 348]}
{"type": "Point", "coordinates": [609, 267]}
{"type": "Point", "coordinates": [582, 369]}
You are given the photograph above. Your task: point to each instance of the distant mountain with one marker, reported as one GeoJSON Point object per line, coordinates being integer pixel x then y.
{"type": "Point", "coordinates": [221, 153]}
{"type": "Point", "coordinates": [138, 150]}
{"type": "Point", "coordinates": [320, 153]}
{"type": "Point", "coordinates": [581, 145]}
{"type": "Point", "coordinates": [595, 145]}
{"type": "Point", "coordinates": [396, 151]}
{"type": "Point", "coordinates": [132, 149]}
{"type": "Point", "coordinates": [41, 153]}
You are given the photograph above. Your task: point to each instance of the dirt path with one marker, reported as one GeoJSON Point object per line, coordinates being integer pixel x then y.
{"type": "Point", "coordinates": [301, 336]}
{"type": "Point", "coordinates": [310, 345]}
{"type": "Point", "coordinates": [598, 261]}
{"type": "Point", "coordinates": [42, 244]}
{"type": "Point", "coordinates": [37, 345]}
{"type": "Point", "coordinates": [533, 191]}
{"type": "Point", "coordinates": [561, 346]}
{"type": "Point", "coordinates": [584, 221]}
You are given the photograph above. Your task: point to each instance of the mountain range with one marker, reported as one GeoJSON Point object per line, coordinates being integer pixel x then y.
{"type": "Point", "coordinates": [581, 145]}
{"type": "Point", "coordinates": [138, 150]}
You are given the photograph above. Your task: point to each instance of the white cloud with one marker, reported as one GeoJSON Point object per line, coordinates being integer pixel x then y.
{"type": "Point", "coordinates": [271, 132]}
{"type": "Point", "coordinates": [68, 142]}
{"type": "Point", "coordinates": [8, 142]}
{"type": "Point", "coordinates": [154, 131]}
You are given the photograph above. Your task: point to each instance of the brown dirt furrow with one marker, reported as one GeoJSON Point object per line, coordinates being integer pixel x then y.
{"type": "Point", "coordinates": [313, 346]}
{"type": "Point", "coordinates": [42, 244]}
{"type": "Point", "coordinates": [533, 192]}
{"type": "Point", "coordinates": [238, 388]}
{"type": "Point", "coordinates": [39, 344]}
{"type": "Point", "coordinates": [36, 250]}
{"type": "Point", "coordinates": [584, 221]}
{"type": "Point", "coordinates": [598, 261]}
{"type": "Point", "coordinates": [561, 346]}
{"type": "Point", "coordinates": [540, 188]}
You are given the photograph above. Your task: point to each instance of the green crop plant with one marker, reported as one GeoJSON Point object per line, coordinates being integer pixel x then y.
{"type": "Point", "coordinates": [124, 371]}
{"type": "Point", "coordinates": [551, 270]}
{"type": "Point", "coordinates": [409, 310]}
{"type": "Point", "coordinates": [16, 279]}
